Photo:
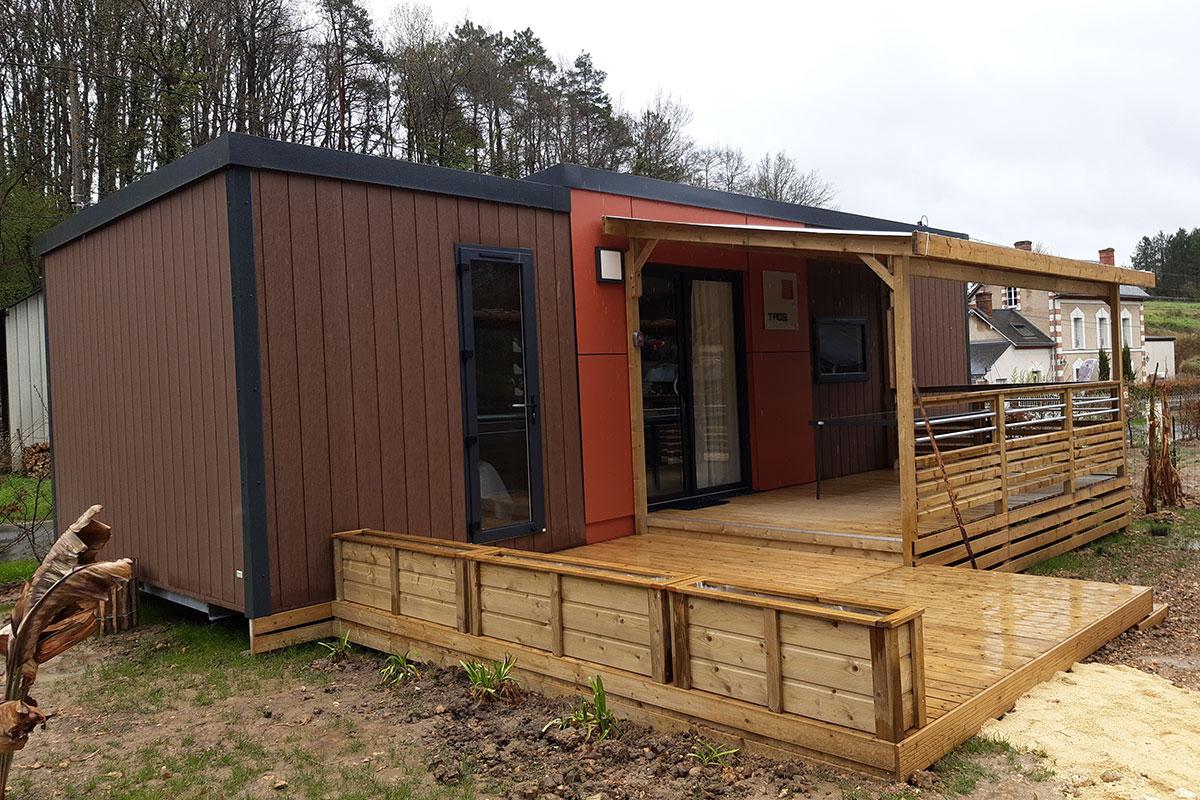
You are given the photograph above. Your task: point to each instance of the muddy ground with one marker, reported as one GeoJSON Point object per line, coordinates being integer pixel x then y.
{"type": "Point", "coordinates": [177, 710]}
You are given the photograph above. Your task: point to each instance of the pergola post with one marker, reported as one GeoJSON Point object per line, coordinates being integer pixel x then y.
{"type": "Point", "coordinates": [1117, 367]}
{"type": "Point", "coordinates": [635, 258]}
{"type": "Point", "coordinates": [906, 435]}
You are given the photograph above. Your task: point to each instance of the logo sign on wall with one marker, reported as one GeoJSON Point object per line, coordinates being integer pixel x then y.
{"type": "Point", "coordinates": [780, 309]}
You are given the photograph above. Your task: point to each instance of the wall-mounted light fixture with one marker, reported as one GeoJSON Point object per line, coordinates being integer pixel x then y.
{"type": "Point", "coordinates": [610, 265]}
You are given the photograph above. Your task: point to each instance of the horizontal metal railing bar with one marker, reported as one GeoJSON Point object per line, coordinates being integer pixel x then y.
{"type": "Point", "coordinates": [954, 434]}
{"type": "Point", "coordinates": [1047, 407]}
{"type": "Point", "coordinates": [1096, 412]}
{"type": "Point", "coordinates": [960, 418]}
{"type": "Point", "coordinates": [1029, 422]}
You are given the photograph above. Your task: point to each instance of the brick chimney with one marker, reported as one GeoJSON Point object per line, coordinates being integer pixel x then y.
{"type": "Point", "coordinates": [1025, 245]}
{"type": "Point", "coordinates": [1108, 257]}
{"type": "Point", "coordinates": [983, 301]}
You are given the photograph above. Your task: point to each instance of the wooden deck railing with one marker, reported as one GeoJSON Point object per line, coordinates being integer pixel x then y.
{"type": "Point", "coordinates": [854, 664]}
{"type": "Point", "coordinates": [1002, 449]}
{"type": "Point", "coordinates": [860, 666]}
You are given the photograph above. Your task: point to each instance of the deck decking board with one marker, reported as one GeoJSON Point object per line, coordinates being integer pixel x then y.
{"type": "Point", "coordinates": [989, 636]}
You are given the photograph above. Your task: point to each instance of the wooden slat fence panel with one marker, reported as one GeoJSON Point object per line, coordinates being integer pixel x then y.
{"type": "Point", "coordinates": [1049, 476]}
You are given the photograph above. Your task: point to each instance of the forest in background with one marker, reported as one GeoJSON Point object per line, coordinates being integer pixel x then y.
{"type": "Point", "coordinates": [1174, 258]}
{"type": "Point", "coordinates": [96, 93]}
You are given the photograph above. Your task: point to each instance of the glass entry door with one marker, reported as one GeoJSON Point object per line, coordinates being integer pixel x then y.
{"type": "Point", "coordinates": [501, 422]}
{"type": "Point", "coordinates": [691, 385]}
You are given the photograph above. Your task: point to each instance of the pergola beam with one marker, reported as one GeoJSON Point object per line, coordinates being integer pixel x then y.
{"type": "Point", "coordinates": [965, 251]}
{"type": "Point", "coordinates": [925, 268]}
{"type": "Point", "coordinates": [811, 240]}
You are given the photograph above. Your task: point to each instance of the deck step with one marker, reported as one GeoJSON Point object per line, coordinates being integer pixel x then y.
{"type": "Point", "coordinates": [1155, 617]}
{"type": "Point", "coordinates": [807, 541]}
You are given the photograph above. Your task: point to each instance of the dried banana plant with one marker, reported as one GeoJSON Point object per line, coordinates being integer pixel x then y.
{"type": "Point", "coordinates": [55, 611]}
{"type": "Point", "coordinates": [1161, 485]}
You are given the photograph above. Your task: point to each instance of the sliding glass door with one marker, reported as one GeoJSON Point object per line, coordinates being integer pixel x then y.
{"type": "Point", "coordinates": [501, 423]}
{"type": "Point", "coordinates": [691, 393]}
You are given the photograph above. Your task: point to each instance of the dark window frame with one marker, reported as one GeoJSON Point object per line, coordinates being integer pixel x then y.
{"type": "Point", "coordinates": [464, 256]}
{"type": "Point", "coordinates": [860, 376]}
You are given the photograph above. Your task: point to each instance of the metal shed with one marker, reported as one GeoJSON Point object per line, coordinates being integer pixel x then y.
{"type": "Point", "coordinates": [25, 351]}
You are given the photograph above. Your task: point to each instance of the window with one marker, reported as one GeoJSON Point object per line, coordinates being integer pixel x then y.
{"type": "Point", "coordinates": [1012, 297]}
{"type": "Point", "coordinates": [1103, 330]}
{"type": "Point", "coordinates": [1023, 331]}
{"type": "Point", "coordinates": [501, 426]}
{"type": "Point", "coordinates": [1077, 342]}
{"type": "Point", "coordinates": [1126, 328]}
{"type": "Point", "coordinates": [840, 349]}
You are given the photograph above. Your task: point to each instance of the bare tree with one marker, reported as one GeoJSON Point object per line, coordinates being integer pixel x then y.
{"type": "Point", "coordinates": [661, 145]}
{"type": "Point", "coordinates": [777, 177]}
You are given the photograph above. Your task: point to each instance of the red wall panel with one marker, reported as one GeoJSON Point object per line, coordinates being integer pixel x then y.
{"type": "Point", "coordinates": [779, 388]}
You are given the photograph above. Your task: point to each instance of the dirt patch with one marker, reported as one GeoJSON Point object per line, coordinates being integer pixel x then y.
{"type": "Point", "coordinates": [1112, 731]}
{"type": "Point", "coordinates": [173, 712]}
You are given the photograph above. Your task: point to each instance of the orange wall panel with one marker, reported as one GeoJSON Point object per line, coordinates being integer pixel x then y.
{"type": "Point", "coordinates": [607, 447]}
{"type": "Point", "coordinates": [599, 307]}
{"type": "Point", "coordinates": [779, 390]}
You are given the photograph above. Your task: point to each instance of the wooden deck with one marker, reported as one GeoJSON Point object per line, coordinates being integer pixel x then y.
{"type": "Point", "coordinates": [763, 644]}
{"type": "Point", "coordinates": [856, 515]}
{"type": "Point", "coordinates": [989, 636]}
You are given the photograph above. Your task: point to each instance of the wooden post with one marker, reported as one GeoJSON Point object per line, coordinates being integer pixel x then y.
{"type": "Point", "coordinates": [885, 672]}
{"type": "Point", "coordinates": [774, 657]}
{"type": "Point", "coordinates": [905, 419]}
{"type": "Point", "coordinates": [474, 611]}
{"type": "Point", "coordinates": [1002, 440]}
{"type": "Point", "coordinates": [337, 569]}
{"type": "Point", "coordinates": [556, 614]}
{"type": "Point", "coordinates": [1118, 367]}
{"type": "Point", "coordinates": [637, 427]}
{"type": "Point", "coordinates": [660, 635]}
{"type": "Point", "coordinates": [681, 657]}
{"type": "Point", "coordinates": [1114, 321]}
{"type": "Point", "coordinates": [396, 605]}
{"type": "Point", "coordinates": [1069, 427]}
{"type": "Point", "coordinates": [916, 643]}
{"type": "Point", "coordinates": [462, 617]}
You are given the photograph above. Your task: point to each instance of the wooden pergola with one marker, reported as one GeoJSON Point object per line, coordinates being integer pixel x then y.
{"type": "Point", "coordinates": [895, 258]}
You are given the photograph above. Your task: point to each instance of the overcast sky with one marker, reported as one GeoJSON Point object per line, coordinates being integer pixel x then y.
{"type": "Point", "coordinates": [1073, 124]}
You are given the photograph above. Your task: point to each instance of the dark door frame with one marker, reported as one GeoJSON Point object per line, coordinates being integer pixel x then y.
{"type": "Point", "coordinates": [464, 257]}
{"type": "Point", "coordinates": [691, 495]}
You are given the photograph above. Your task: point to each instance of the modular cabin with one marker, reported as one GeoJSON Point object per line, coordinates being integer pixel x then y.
{"type": "Point", "coordinates": [721, 451]}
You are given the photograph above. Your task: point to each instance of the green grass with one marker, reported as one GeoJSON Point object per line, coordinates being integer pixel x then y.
{"type": "Point", "coordinates": [17, 571]}
{"type": "Point", "coordinates": [960, 771]}
{"type": "Point", "coordinates": [1135, 556]}
{"type": "Point", "coordinates": [32, 501]}
{"type": "Point", "coordinates": [1180, 319]}
{"type": "Point", "coordinates": [198, 660]}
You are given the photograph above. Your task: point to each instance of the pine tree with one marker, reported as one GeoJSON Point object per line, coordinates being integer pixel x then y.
{"type": "Point", "coordinates": [1127, 373]}
{"type": "Point", "coordinates": [1105, 366]}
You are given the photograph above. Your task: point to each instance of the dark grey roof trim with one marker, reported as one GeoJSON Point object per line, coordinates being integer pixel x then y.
{"type": "Point", "coordinates": [623, 183]}
{"type": "Point", "coordinates": [23, 298]}
{"type": "Point", "coordinates": [237, 149]}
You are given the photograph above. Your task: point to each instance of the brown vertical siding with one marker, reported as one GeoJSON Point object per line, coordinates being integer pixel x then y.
{"type": "Point", "coordinates": [360, 367]}
{"type": "Point", "coordinates": [940, 333]}
{"type": "Point", "coordinates": [141, 361]}
{"type": "Point", "coordinates": [843, 289]}
{"type": "Point", "coordinates": [939, 358]}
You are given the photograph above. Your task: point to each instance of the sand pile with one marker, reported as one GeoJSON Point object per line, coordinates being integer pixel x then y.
{"type": "Point", "coordinates": [1112, 732]}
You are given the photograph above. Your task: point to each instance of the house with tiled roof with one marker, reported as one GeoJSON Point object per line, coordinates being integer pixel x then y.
{"type": "Point", "coordinates": [1051, 336]}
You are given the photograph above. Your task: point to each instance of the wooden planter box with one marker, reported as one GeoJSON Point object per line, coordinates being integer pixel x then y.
{"type": "Point", "coordinates": [409, 576]}
{"type": "Point", "coordinates": [855, 665]}
{"type": "Point", "coordinates": [605, 614]}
